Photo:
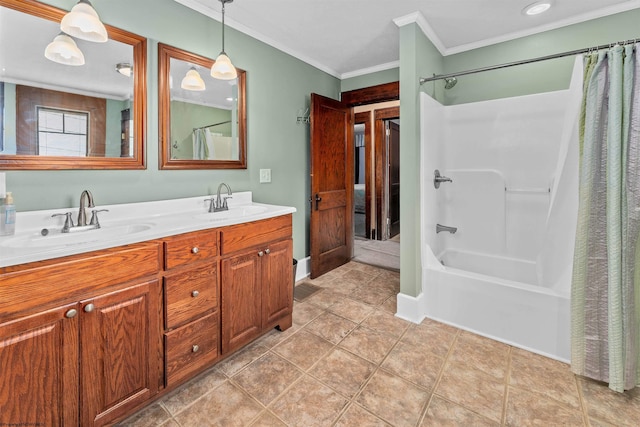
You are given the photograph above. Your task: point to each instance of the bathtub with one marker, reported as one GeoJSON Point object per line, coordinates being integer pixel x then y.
{"type": "Point", "coordinates": [523, 314]}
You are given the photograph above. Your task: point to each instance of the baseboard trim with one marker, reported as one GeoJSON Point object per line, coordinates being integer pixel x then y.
{"type": "Point", "coordinates": [304, 268]}
{"type": "Point", "coordinates": [411, 308]}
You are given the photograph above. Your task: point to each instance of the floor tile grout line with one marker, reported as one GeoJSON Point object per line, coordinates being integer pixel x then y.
{"type": "Point", "coordinates": [507, 382]}
{"type": "Point", "coordinates": [583, 403]}
{"type": "Point", "coordinates": [445, 359]}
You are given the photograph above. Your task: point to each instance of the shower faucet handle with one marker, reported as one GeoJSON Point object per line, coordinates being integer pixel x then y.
{"type": "Point", "coordinates": [437, 179]}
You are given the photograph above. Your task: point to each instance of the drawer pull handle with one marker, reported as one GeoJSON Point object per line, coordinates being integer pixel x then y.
{"type": "Point", "coordinates": [71, 313]}
{"type": "Point", "coordinates": [88, 308]}
{"type": "Point", "coordinates": [261, 253]}
{"type": "Point", "coordinates": [267, 251]}
{"type": "Point", "coordinates": [195, 294]}
{"type": "Point", "coordinates": [195, 348]}
{"type": "Point", "coordinates": [195, 250]}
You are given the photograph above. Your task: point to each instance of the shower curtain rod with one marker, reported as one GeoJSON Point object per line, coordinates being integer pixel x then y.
{"type": "Point", "coordinates": [525, 61]}
{"type": "Point", "coordinates": [209, 126]}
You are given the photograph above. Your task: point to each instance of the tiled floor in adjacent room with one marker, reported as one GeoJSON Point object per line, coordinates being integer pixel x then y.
{"type": "Point", "coordinates": [347, 361]}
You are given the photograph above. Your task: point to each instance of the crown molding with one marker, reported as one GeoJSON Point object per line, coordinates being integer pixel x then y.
{"type": "Point", "coordinates": [369, 70]}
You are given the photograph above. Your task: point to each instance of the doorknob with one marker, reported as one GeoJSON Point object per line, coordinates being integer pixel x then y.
{"type": "Point", "coordinates": [318, 200]}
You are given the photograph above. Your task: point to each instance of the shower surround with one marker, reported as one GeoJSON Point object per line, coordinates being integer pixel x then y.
{"type": "Point", "coordinates": [506, 272]}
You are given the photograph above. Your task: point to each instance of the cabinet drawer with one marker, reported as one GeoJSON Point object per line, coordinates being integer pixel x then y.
{"type": "Point", "coordinates": [189, 294]}
{"type": "Point", "coordinates": [253, 234]}
{"type": "Point", "coordinates": [191, 348]}
{"type": "Point", "coordinates": [189, 248]}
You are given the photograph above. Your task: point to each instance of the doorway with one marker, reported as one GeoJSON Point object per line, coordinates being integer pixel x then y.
{"type": "Point", "coordinates": [376, 207]}
{"type": "Point", "coordinates": [333, 176]}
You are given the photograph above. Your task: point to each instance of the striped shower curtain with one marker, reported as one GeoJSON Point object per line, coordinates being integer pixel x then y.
{"type": "Point", "coordinates": [605, 292]}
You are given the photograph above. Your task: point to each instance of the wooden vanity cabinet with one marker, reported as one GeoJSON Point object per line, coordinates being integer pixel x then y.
{"type": "Point", "coordinates": [79, 338]}
{"type": "Point", "coordinates": [256, 280]}
{"type": "Point", "coordinates": [90, 338]}
{"type": "Point", "coordinates": [191, 295]}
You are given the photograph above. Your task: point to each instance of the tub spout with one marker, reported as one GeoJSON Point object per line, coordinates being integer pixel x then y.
{"type": "Point", "coordinates": [440, 227]}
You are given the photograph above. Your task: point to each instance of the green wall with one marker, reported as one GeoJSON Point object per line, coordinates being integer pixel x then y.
{"type": "Point", "coordinates": [537, 77]}
{"type": "Point", "coordinates": [278, 88]}
{"type": "Point", "coordinates": [371, 79]}
{"type": "Point", "coordinates": [278, 85]}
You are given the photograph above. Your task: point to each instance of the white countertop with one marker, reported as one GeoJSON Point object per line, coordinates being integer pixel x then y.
{"type": "Point", "coordinates": [124, 224]}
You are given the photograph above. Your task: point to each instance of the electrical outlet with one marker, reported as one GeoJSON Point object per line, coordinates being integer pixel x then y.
{"type": "Point", "coordinates": [265, 175]}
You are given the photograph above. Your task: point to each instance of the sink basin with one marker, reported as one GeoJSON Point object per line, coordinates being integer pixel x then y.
{"type": "Point", "coordinates": [235, 212]}
{"type": "Point", "coordinates": [56, 238]}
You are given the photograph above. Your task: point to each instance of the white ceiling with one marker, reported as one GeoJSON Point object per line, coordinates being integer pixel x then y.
{"type": "Point", "coordinates": [347, 38]}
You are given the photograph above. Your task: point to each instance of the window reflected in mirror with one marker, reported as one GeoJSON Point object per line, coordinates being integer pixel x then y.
{"type": "Point", "coordinates": [74, 115]}
{"type": "Point", "coordinates": [202, 123]}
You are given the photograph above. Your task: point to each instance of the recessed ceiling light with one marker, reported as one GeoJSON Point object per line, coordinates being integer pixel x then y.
{"type": "Point", "coordinates": [537, 7]}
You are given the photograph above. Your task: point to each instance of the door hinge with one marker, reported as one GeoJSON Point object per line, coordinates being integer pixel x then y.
{"type": "Point", "coordinates": [388, 132]}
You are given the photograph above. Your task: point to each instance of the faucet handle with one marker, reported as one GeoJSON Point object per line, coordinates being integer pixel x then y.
{"type": "Point", "coordinates": [224, 201]}
{"type": "Point", "coordinates": [68, 221]}
{"type": "Point", "coordinates": [94, 217]}
{"type": "Point", "coordinates": [212, 203]}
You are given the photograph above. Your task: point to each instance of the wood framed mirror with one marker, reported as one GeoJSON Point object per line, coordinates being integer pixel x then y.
{"type": "Point", "coordinates": [58, 116]}
{"type": "Point", "coordinates": [202, 121]}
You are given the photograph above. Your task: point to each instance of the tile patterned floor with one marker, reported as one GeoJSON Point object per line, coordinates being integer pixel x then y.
{"type": "Point", "coordinates": [347, 361]}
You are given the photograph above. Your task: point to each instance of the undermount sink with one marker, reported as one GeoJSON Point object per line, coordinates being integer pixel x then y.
{"type": "Point", "coordinates": [234, 212]}
{"type": "Point", "coordinates": [56, 238]}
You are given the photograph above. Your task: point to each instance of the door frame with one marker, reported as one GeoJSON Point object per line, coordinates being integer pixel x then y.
{"type": "Point", "coordinates": [365, 118]}
{"type": "Point", "coordinates": [374, 95]}
{"type": "Point", "coordinates": [382, 170]}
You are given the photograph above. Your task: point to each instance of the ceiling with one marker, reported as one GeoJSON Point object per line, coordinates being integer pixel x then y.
{"type": "Point", "coordinates": [347, 38]}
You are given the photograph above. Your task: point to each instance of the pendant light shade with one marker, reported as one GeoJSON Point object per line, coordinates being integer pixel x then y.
{"type": "Point", "coordinates": [64, 50]}
{"type": "Point", "coordinates": [82, 22]}
{"type": "Point", "coordinates": [124, 68]}
{"type": "Point", "coordinates": [223, 69]}
{"type": "Point", "coordinates": [193, 81]}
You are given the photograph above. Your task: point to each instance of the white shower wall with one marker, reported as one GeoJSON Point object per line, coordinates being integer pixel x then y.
{"type": "Point", "coordinates": [502, 156]}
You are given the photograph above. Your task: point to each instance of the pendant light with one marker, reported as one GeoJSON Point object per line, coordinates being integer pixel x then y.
{"type": "Point", "coordinates": [124, 68]}
{"type": "Point", "coordinates": [64, 50]}
{"type": "Point", "coordinates": [193, 81]}
{"type": "Point", "coordinates": [223, 69]}
{"type": "Point", "coordinates": [83, 22]}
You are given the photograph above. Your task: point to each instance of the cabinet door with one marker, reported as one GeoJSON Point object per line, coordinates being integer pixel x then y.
{"type": "Point", "coordinates": [241, 303]}
{"type": "Point", "coordinates": [277, 287]}
{"type": "Point", "coordinates": [39, 369]}
{"type": "Point", "coordinates": [118, 333]}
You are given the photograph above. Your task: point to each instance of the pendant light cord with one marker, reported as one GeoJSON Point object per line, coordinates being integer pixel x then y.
{"type": "Point", "coordinates": [223, 3]}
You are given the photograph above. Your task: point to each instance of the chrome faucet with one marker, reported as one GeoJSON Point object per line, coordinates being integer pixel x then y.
{"type": "Point", "coordinates": [85, 197]}
{"type": "Point", "coordinates": [440, 227]}
{"type": "Point", "coordinates": [86, 201]}
{"type": "Point", "coordinates": [220, 203]}
{"type": "Point", "coordinates": [437, 179]}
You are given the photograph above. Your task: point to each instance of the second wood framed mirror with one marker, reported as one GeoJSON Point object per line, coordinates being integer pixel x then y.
{"type": "Point", "coordinates": [202, 119]}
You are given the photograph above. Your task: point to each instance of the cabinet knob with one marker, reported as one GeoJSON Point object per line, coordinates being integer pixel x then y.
{"type": "Point", "coordinates": [89, 308]}
{"type": "Point", "coordinates": [71, 313]}
{"type": "Point", "coordinates": [195, 348]}
{"type": "Point", "coordinates": [261, 253]}
{"type": "Point", "coordinates": [195, 250]}
{"type": "Point", "coordinates": [195, 293]}
{"type": "Point", "coordinates": [267, 251]}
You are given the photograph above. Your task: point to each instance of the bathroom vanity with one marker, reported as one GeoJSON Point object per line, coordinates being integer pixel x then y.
{"type": "Point", "coordinates": [92, 330]}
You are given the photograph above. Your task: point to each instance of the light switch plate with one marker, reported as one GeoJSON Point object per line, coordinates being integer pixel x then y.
{"type": "Point", "coordinates": [265, 175]}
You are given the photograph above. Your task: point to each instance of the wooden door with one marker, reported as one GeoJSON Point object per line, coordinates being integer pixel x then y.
{"type": "Point", "coordinates": [240, 303]}
{"type": "Point", "coordinates": [117, 334]}
{"type": "Point", "coordinates": [277, 287]}
{"type": "Point", "coordinates": [394, 178]}
{"type": "Point", "coordinates": [331, 184]}
{"type": "Point", "coordinates": [39, 369]}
